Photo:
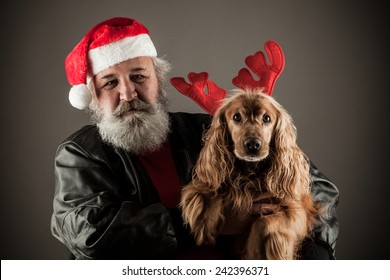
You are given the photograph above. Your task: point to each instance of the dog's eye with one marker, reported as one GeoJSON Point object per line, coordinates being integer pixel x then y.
{"type": "Point", "coordinates": [237, 117]}
{"type": "Point", "coordinates": [266, 119]}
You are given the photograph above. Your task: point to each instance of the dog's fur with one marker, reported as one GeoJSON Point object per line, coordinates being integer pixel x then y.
{"type": "Point", "coordinates": [250, 149]}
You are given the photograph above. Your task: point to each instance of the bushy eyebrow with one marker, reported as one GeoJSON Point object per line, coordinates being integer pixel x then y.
{"type": "Point", "coordinates": [108, 76]}
{"type": "Point", "coordinates": [113, 75]}
{"type": "Point", "coordinates": [137, 69]}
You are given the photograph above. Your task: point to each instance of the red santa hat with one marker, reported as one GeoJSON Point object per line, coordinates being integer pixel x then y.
{"type": "Point", "coordinates": [106, 44]}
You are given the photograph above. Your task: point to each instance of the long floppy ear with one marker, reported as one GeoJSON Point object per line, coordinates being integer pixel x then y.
{"type": "Point", "coordinates": [289, 172]}
{"type": "Point", "coordinates": [215, 162]}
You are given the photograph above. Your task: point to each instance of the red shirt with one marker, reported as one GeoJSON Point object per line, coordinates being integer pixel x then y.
{"type": "Point", "coordinates": [161, 169]}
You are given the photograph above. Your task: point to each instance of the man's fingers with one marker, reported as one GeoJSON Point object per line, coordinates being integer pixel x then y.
{"type": "Point", "coordinates": [265, 209]}
{"type": "Point", "coordinates": [266, 198]}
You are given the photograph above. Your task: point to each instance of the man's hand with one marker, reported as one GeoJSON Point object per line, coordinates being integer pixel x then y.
{"type": "Point", "coordinates": [239, 221]}
{"type": "Point", "coordinates": [265, 205]}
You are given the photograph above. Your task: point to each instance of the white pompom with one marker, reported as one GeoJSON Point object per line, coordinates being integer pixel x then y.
{"type": "Point", "coordinates": [80, 97]}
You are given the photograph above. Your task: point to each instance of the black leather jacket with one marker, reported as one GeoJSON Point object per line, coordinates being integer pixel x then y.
{"type": "Point", "coordinates": [106, 207]}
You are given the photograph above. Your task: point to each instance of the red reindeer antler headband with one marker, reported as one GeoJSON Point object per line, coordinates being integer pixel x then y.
{"type": "Point", "coordinates": [209, 96]}
{"type": "Point", "coordinates": [200, 89]}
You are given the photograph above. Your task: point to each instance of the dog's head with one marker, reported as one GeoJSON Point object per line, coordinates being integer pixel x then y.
{"type": "Point", "coordinates": [251, 119]}
{"type": "Point", "coordinates": [253, 127]}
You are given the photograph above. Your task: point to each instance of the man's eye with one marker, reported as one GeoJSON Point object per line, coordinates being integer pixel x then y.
{"type": "Point", "coordinates": [138, 78]}
{"type": "Point", "coordinates": [110, 84]}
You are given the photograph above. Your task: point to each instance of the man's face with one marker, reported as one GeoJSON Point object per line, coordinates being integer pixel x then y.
{"type": "Point", "coordinates": [129, 80]}
{"type": "Point", "coordinates": [129, 108]}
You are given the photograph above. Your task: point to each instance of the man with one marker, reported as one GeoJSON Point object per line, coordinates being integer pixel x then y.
{"type": "Point", "coordinates": [118, 182]}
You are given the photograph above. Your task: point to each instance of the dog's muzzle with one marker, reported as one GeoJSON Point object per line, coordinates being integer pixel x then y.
{"type": "Point", "coordinates": [252, 145]}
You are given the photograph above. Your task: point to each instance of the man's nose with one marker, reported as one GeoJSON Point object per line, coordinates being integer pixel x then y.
{"type": "Point", "coordinates": [127, 91]}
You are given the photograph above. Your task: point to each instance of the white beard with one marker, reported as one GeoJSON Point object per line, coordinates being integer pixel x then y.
{"type": "Point", "coordinates": [140, 132]}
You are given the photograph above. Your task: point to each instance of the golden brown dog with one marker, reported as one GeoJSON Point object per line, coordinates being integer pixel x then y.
{"type": "Point", "coordinates": [251, 149]}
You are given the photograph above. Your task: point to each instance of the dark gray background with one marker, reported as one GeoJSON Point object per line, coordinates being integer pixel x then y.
{"type": "Point", "coordinates": [333, 85]}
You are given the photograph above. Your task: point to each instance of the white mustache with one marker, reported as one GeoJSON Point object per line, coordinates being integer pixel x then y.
{"type": "Point", "coordinates": [127, 106]}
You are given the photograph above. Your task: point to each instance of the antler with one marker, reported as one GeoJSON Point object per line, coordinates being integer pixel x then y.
{"type": "Point", "coordinates": [268, 74]}
{"type": "Point", "coordinates": [209, 96]}
{"type": "Point", "coordinates": [209, 100]}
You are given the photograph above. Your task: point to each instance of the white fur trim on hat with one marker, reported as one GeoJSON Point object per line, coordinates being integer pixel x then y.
{"type": "Point", "coordinates": [116, 52]}
{"type": "Point", "coordinates": [80, 97]}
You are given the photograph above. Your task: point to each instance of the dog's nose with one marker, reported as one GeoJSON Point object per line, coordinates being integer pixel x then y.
{"type": "Point", "coordinates": [252, 145]}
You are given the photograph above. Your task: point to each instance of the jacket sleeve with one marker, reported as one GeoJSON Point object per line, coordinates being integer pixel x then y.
{"type": "Point", "coordinates": [94, 221]}
{"type": "Point", "coordinates": [322, 245]}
